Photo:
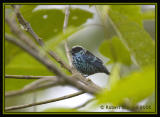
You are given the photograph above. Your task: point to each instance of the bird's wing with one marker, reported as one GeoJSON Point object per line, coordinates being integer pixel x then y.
{"type": "Point", "coordinates": [91, 57]}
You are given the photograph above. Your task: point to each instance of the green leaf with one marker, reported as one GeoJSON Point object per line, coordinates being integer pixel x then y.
{"type": "Point", "coordinates": [55, 41]}
{"type": "Point", "coordinates": [136, 86]}
{"type": "Point", "coordinates": [23, 64]}
{"type": "Point", "coordinates": [131, 33]}
{"type": "Point", "coordinates": [60, 110]}
{"type": "Point", "coordinates": [16, 84]}
{"type": "Point", "coordinates": [116, 51]}
{"type": "Point", "coordinates": [131, 12]}
{"type": "Point", "coordinates": [148, 15]}
{"type": "Point", "coordinates": [11, 51]}
{"type": "Point", "coordinates": [49, 22]}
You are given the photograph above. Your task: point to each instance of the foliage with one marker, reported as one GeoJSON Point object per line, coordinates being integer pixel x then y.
{"type": "Point", "coordinates": [136, 86]}
{"type": "Point", "coordinates": [130, 45]}
{"type": "Point", "coordinates": [139, 84]}
{"type": "Point", "coordinates": [116, 51]}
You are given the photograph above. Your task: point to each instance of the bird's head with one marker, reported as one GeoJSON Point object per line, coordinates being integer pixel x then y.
{"type": "Point", "coordinates": [77, 49]}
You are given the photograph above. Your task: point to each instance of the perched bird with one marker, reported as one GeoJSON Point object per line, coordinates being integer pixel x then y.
{"type": "Point", "coordinates": [86, 63]}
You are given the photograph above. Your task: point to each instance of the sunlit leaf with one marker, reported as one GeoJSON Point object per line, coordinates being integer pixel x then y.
{"type": "Point", "coordinates": [131, 12]}
{"type": "Point", "coordinates": [116, 51]}
{"type": "Point", "coordinates": [11, 51]}
{"type": "Point", "coordinates": [136, 87]}
{"type": "Point", "coordinates": [55, 41]}
{"type": "Point", "coordinates": [47, 23]}
{"type": "Point", "coordinates": [23, 64]}
{"type": "Point", "coordinates": [131, 33]}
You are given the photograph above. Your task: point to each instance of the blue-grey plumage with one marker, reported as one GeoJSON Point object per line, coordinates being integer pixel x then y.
{"type": "Point", "coordinates": [86, 63]}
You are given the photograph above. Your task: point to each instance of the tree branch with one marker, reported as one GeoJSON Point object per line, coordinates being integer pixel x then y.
{"type": "Point", "coordinates": [65, 24]}
{"type": "Point", "coordinates": [44, 102]}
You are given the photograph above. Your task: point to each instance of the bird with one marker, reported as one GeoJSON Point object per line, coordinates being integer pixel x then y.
{"type": "Point", "coordinates": [87, 63]}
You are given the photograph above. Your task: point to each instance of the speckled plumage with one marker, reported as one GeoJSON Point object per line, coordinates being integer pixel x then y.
{"type": "Point", "coordinates": [86, 63]}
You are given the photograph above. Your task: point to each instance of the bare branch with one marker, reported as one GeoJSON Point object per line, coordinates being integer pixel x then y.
{"type": "Point", "coordinates": [44, 102]}
{"type": "Point", "coordinates": [67, 12]}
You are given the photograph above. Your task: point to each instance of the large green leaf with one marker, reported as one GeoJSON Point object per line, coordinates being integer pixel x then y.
{"type": "Point", "coordinates": [116, 51]}
{"type": "Point", "coordinates": [11, 51]}
{"type": "Point", "coordinates": [128, 27]}
{"type": "Point", "coordinates": [136, 87]}
{"type": "Point", "coordinates": [23, 64]}
{"type": "Point", "coordinates": [55, 41]}
{"type": "Point", "coordinates": [49, 22]}
{"type": "Point", "coordinates": [131, 12]}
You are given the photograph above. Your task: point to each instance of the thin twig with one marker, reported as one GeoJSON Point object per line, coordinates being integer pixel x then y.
{"type": "Point", "coordinates": [44, 102]}
{"type": "Point", "coordinates": [65, 24]}
{"type": "Point", "coordinates": [67, 12]}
